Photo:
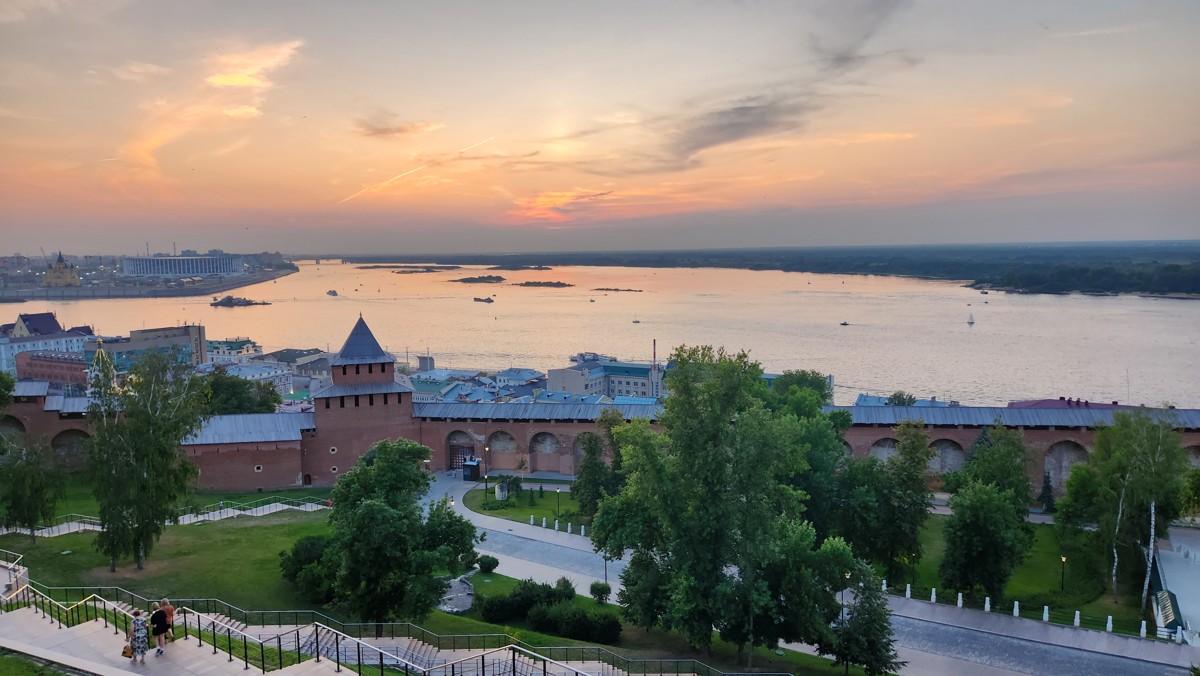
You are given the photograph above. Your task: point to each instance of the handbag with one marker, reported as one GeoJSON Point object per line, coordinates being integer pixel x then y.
{"type": "Point", "coordinates": [127, 651]}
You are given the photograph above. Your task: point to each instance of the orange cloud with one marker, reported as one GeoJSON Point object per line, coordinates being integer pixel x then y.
{"type": "Point", "coordinates": [250, 68]}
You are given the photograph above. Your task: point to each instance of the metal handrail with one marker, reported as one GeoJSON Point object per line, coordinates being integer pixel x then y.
{"type": "Point", "coordinates": [382, 653]}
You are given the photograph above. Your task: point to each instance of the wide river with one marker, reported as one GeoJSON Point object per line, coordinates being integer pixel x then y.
{"type": "Point", "coordinates": [903, 333]}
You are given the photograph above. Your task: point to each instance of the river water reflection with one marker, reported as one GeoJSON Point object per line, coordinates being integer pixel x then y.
{"type": "Point", "coordinates": [901, 334]}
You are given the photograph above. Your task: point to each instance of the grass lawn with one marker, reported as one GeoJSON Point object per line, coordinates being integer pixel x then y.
{"type": "Point", "coordinates": [1040, 575]}
{"type": "Point", "coordinates": [78, 497]}
{"type": "Point", "coordinates": [16, 665]}
{"type": "Point", "coordinates": [545, 506]}
{"type": "Point", "coordinates": [235, 560]}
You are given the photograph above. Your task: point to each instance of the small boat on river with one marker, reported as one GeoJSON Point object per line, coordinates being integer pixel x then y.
{"type": "Point", "coordinates": [231, 301]}
{"type": "Point", "coordinates": [331, 292]}
{"type": "Point", "coordinates": [484, 300]}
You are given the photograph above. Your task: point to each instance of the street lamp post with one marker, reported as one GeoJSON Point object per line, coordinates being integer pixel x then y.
{"type": "Point", "coordinates": [558, 506]}
{"type": "Point", "coordinates": [1062, 578]}
{"type": "Point", "coordinates": [485, 487]}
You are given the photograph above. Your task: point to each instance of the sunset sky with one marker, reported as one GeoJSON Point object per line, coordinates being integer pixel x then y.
{"type": "Point", "coordinates": [355, 126]}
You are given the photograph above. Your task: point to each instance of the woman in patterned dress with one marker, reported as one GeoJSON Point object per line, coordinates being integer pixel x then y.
{"type": "Point", "coordinates": [138, 637]}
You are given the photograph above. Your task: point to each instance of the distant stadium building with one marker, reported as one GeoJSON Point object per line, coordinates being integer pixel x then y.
{"type": "Point", "coordinates": [214, 263]}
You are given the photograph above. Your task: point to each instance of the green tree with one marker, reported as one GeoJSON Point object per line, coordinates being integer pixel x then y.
{"type": "Point", "coordinates": [1046, 498]}
{"type": "Point", "coordinates": [986, 539]}
{"type": "Point", "coordinates": [999, 458]}
{"type": "Point", "coordinates": [594, 477]}
{"type": "Point", "coordinates": [908, 497]}
{"type": "Point", "coordinates": [30, 487]}
{"type": "Point", "coordinates": [1139, 463]}
{"type": "Point", "coordinates": [862, 505]}
{"type": "Point", "coordinates": [138, 473]}
{"type": "Point", "coordinates": [863, 634]}
{"type": "Point", "coordinates": [233, 395]}
{"type": "Point", "coordinates": [6, 389]}
{"type": "Point", "coordinates": [901, 398]}
{"type": "Point", "coordinates": [304, 567]}
{"type": "Point", "coordinates": [813, 381]}
{"type": "Point", "coordinates": [1191, 491]}
{"type": "Point", "coordinates": [710, 514]}
{"type": "Point", "coordinates": [7, 384]}
{"type": "Point", "coordinates": [383, 552]}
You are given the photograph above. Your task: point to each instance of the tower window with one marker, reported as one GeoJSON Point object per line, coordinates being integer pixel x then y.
{"type": "Point", "coordinates": [357, 369]}
{"type": "Point", "coordinates": [258, 468]}
{"type": "Point", "coordinates": [333, 470]}
{"type": "Point", "coordinates": [332, 449]}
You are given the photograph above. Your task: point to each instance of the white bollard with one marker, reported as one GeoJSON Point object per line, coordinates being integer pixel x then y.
{"type": "Point", "coordinates": [908, 591]}
{"type": "Point", "coordinates": [1016, 608]}
{"type": "Point", "coordinates": [543, 522]}
{"type": "Point", "coordinates": [987, 604]}
{"type": "Point", "coordinates": [960, 599]}
{"type": "Point", "coordinates": [568, 528]}
{"type": "Point", "coordinates": [1076, 618]}
{"type": "Point", "coordinates": [530, 519]}
{"type": "Point", "coordinates": [885, 586]}
{"type": "Point", "coordinates": [1045, 613]}
{"type": "Point", "coordinates": [556, 524]}
{"type": "Point", "coordinates": [1108, 625]}
{"type": "Point", "coordinates": [582, 531]}
{"type": "Point", "coordinates": [933, 595]}
{"type": "Point", "coordinates": [1179, 634]}
{"type": "Point", "coordinates": [1142, 631]}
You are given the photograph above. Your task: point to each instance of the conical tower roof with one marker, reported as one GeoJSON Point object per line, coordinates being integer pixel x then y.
{"type": "Point", "coordinates": [361, 348]}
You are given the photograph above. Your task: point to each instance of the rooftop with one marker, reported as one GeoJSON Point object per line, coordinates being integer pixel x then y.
{"type": "Point", "coordinates": [361, 348]}
{"type": "Point", "coordinates": [251, 428]}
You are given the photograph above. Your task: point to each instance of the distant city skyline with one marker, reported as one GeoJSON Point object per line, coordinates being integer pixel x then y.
{"type": "Point", "coordinates": [470, 126]}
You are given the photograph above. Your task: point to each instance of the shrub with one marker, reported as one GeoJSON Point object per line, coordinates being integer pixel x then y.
{"type": "Point", "coordinates": [532, 501]}
{"type": "Point", "coordinates": [487, 563]}
{"type": "Point", "coordinates": [564, 590]}
{"type": "Point", "coordinates": [601, 591]}
{"type": "Point", "coordinates": [571, 621]}
{"type": "Point", "coordinates": [303, 567]}
{"type": "Point", "coordinates": [541, 491]}
{"type": "Point", "coordinates": [490, 505]}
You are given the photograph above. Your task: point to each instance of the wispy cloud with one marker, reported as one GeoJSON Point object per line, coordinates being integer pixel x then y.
{"type": "Point", "coordinates": [556, 206]}
{"type": "Point", "coordinates": [848, 25]}
{"type": "Point", "coordinates": [136, 71]}
{"type": "Point", "coordinates": [1101, 31]}
{"type": "Point", "coordinates": [388, 125]}
{"type": "Point", "coordinates": [1020, 109]}
{"type": "Point", "coordinates": [232, 93]}
{"type": "Point", "coordinates": [250, 68]}
{"type": "Point", "coordinates": [20, 10]}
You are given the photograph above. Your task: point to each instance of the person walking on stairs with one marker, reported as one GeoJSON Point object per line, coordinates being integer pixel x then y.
{"type": "Point", "coordinates": [138, 637]}
{"type": "Point", "coordinates": [159, 627]}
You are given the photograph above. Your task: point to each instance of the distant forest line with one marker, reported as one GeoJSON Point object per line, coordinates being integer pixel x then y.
{"type": "Point", "coordinates": [1158, 268]}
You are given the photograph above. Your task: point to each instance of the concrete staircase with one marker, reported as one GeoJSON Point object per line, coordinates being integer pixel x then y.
{"type": "Point", "coordinates": [92, 647]}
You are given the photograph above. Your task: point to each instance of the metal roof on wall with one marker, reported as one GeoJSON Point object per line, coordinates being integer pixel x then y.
{"type": "Point", "coordinates": [981, 416]}
{"type": "Point", "coordinates": [543, 411]}
{"type": "Point", "coordinates": [30, 388]}
{"type": "Point", "coordinates": [360, 389]}
{"type": "Point", "coordinates": [252, 428]}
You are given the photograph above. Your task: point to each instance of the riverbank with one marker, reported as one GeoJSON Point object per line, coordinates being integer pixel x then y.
{"type": "Point", "coordinates": [207, 288]}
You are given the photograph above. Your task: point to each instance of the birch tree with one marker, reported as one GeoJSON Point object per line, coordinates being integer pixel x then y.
{"type": "Point", "coordinates": [138, 472]}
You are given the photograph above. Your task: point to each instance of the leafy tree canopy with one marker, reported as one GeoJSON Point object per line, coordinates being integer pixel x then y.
{"type": "Point", "coordinates": [901, 398]}
{"type": "Point", "coordinates": [233, 395]}
{"type": "Point", "coordinates": [813, 381]}
{"type": "Point", "coordinates": [384, 553]}
{"type": "Point", "coordinates": [986, 539]}
{"type": "Point", "coordinates": [138, 473]}
{"type": "Point", "coordinates": [30, 487]}
{"type": "Point", "coordinates": [712, 514]}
